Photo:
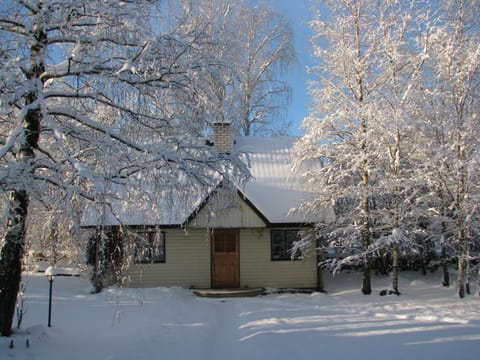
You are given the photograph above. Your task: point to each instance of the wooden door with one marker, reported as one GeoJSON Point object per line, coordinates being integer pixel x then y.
{"type": "Point", "coordinates": [225, 259]}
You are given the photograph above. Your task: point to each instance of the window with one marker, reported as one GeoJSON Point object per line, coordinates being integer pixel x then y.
{"type": "Point", "coordinates": [149, 247]}
{"type": "Point", "coordinates": [281, 244]}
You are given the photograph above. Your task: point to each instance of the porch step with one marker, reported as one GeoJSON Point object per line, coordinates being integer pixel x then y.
{"type": "Point", "coordinates": [228, 293]}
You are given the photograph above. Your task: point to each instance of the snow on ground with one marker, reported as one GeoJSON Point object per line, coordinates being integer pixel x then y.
{"type": "Point", "coordinates": [425, 322]}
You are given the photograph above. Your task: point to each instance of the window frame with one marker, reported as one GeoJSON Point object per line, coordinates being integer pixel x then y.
{"type": "Point", "coordinates": [287, 245]}
{"type": "Point", "coordinates": [148, 237]}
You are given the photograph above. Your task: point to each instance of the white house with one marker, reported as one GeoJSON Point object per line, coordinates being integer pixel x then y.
{"type": "Point", "coordinates": [224, 238]}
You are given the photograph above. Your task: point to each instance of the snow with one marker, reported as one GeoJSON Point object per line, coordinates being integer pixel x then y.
{"type": "Point", "coordinates": [273, 189]}
{"type": "Point", "coordinates": [426, 322]}
{"type": "Point", "coordinates": [50, 271]}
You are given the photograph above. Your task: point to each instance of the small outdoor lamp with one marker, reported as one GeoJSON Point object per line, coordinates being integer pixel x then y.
{"type": "Point", "coordinates": [50, 274]}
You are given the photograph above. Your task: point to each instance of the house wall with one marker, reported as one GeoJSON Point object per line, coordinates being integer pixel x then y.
{"type": "Point", "coordinates": [258, 270]}
{"type": "Point", "coordinates": [188, 260]}
{"type": "Point", "coordinates": [227, 210]}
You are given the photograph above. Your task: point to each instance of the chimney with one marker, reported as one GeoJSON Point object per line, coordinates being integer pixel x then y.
{"type": "Point", "coordinates": [222, 137]}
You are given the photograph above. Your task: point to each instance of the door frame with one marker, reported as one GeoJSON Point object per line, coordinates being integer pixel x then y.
{"type": "Point", "coordinates": [236, 236]}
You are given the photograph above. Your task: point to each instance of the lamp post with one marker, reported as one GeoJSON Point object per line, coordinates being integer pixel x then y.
{"type": "Point", "coordinates": [50, 273]}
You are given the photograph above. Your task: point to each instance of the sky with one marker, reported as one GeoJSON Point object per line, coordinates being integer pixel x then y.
{"type": "Point", "coordinates": [299, 13]}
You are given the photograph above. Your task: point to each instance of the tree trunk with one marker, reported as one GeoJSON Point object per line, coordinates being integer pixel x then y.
{"type": "Point", "coordinates": [478, 281]}
{"type": "Point", "coordinates": [395, 269]}
{"type": "Point", "coordinates": [461, 277]}
{"type": "Point", "coordinates": [247, 125]}
{"type": "Point", "coordinates": [468, 278]}
{"type": "Point", "coordinates": [461, 255]}
{"type": "Point", "coordinates": [366, 282]}
{"type": "Point", "coordinates": [446, 274]}
{"type": "Point", "coordinates": [468, 265]}
{"type": "Point", "coordinates": [11, 256]}
{"type": "Point", "coordinates": [11, 260]}
{"type": "Point", "coordinates": [462, 247]}
{"type": "Point", "coordinates": [14, 243]}
{"type": "Point", "coordinates": [395, 169]}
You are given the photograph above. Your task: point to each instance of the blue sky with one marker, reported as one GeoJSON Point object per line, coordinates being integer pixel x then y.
{"type": "Point", "coordinates": [299, 13]}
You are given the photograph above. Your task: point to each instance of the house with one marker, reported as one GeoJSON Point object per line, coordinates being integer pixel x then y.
{"type": "Point", "coordinates": [224, 238]}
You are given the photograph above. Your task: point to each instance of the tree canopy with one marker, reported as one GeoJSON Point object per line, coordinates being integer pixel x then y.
{"type": "Point", "coordinates": [98, 96]}
{"type": "Point", "coordinates": [395, 123]}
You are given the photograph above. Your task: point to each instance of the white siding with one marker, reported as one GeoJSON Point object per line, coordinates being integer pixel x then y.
{"type": "Point", "coordinates": [187, 262]}
{"type": "Point", "coordinates": [228, 211]}
{"type": "Point", "coordinates": [258, 270]}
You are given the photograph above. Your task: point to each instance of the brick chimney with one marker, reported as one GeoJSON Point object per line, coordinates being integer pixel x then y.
{"type": "Point", "coordinates": [222, 137]}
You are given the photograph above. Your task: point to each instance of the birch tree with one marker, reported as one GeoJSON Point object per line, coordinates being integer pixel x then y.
{"type": "Point", "coordinates": [403, 46]}
{"type": "Point", "coordinates": [452, 101]}
{"type": "Point", "coordinates": [90, 92]}
{"type": "Point", "coordinates": [255, 47]}
{"type": "Point", "coordinates": [363, 127]}
{"type": "Point", "coordinates": [340, 129]}
{"type": "Point", "coordinates": [260, 48]}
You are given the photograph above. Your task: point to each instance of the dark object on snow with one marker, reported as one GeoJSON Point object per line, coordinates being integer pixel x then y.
{"type": "Point", "coordinates": [27, 343]}
{"type": "Point", "coordinates": [389, 292]}
{"type": "Point", "coordinates": [11, 346]}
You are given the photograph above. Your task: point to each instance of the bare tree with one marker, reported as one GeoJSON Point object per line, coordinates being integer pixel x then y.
{"type": "Point", "coordinates": [255, 47]}
{"type": "Point", "coordinates": [260, 48]}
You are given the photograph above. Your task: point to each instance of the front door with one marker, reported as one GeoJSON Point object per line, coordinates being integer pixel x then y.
{"type": "Point", "coordinates": [225, 259]}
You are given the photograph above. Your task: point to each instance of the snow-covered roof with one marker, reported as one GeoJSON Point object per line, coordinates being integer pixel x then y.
{"type": "Point", "coordinates": [273, 191]}
{"type": "Point", "coordinates": [136, 209]}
